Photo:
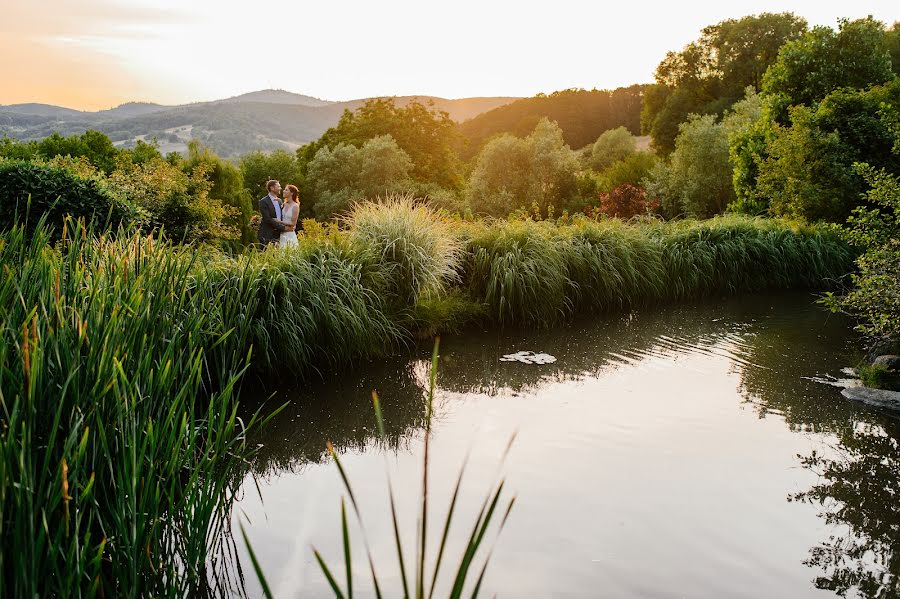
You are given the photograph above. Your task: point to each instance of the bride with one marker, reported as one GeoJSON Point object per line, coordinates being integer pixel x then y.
{"type": "Point", "coordinates": [290, 211]}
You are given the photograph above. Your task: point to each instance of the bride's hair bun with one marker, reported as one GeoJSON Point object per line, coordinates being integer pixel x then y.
{"type": "Point", "coordinates": [295, 193]}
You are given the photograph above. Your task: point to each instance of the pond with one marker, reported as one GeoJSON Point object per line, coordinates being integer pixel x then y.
{"type": "Point", "coordinates": [687, 451]}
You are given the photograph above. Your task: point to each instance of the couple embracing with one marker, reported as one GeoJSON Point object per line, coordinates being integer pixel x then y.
{"type": "Point", "coordinates": [279, 218]}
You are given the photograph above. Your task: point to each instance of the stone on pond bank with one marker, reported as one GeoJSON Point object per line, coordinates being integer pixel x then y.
{"type": "Point", "coordinates": [881, 398]}
{"type": "Point", "coordinates": [889, 362]}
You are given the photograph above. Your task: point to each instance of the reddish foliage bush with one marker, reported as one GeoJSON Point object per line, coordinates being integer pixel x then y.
{"type": "Point", "coordinates": [626, 201]}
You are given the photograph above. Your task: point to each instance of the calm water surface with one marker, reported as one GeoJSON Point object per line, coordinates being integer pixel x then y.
{"type": "Point", "coordinates": [690, 451]}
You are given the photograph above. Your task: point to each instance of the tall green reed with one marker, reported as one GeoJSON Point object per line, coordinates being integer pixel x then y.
{"type": "Point", "coordinates": [120, 442]}
{"type": "Point", "coordinates": [536, 273]}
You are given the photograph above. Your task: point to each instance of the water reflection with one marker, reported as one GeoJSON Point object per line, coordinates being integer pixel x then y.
{"type": "Point", "coordinates": [775, 346]}
{"type": "Point", "coordinates": [859, 494]}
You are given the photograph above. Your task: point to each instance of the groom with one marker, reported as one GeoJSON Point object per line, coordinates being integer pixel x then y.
{"type": "Point", "coordinates": [270, 209]}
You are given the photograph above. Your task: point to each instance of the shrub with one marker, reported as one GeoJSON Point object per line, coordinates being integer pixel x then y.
{"type": "Point", "coordinates": [876, 233]}
{"type": "Point", "coordinates": [626, 201]}
{"type": "Point", "coordinates": [633, 169]}
{"type": "Point", "coordinates": [175, 200]}
{"type": "Point", "coordinates": [419, 252]}
{"type": "Point", "coordinates": [56, 192]}
{"type": "Point", "coordinates": [513, 173]}
{"type": "Point", "coordinates": [809, 169]}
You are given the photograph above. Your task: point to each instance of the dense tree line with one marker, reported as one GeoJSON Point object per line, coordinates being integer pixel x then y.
{"type": "Point", "coordinates": [581, 114]}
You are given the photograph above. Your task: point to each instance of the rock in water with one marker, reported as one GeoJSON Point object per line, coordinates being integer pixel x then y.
{"type": "Point", "coordinates": [889, 362]}
{"type": "Point", "coordinates": [528, 357]}
{"type": "Point", "coordinates": [880, 398]}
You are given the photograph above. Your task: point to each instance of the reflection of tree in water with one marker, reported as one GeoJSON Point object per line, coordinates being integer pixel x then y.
{"type": "Point", "coordinates": [859, 488]}
{"type": "Point", "coordinates": [859, 491]}
{"type": "Point", "coordinates": [340, 408]}
{"type": "Point", "coordinates": [776, 343]}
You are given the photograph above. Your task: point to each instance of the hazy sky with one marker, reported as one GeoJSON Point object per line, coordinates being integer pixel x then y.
{"type": "Point", "coordinates": [93, 54]}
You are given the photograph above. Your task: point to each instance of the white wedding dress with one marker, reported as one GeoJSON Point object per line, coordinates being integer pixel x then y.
{"type": "Point", "coordinates": [288, 238]}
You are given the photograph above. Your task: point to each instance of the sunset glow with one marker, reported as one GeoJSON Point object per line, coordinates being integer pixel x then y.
{"type": "Point", "coordinates": [95, 54]}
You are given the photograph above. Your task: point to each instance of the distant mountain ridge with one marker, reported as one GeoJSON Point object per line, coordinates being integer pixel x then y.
{"type": "Point", "coordinates": [262, 120]}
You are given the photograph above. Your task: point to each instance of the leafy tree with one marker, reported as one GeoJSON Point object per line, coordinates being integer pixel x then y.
{"type": "Point", "coordinates": [698, 179]}
{"type": "Point", "coordinates": [808, 168]}
{"type": "Point", "coordinates": [14, 149]}
{"type": "Point", "coordinates": [631, 170]}
{"type": "Point", "coordinates": [341, 175]}
{"type": "Point", "coordinates": [876, 232]}
{"type": "Point", "coordinates": [259, 167]}
{"type": "Point", "coordinates": [143, 151]}
{"type": "Point", "coordinates": [227, 186]}
{"type": "Point", "coordinates": [892, 40]}
{"type": "Point", "coordinates": [824, 60]}
{"type": "Point", "coordinates": [93, 145]}
{"type": "Point", "coordinates": [612, 146]}
{"type": "Point", "coordinates": [512, 173]}
{"type": "Point", "coordinates": [711, 73]}
{"type": "Point", "coordinates": [427, 136]}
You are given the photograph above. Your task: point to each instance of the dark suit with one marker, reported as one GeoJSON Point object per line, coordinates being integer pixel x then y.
{"type": "Point", "coordinates": [269, 228]}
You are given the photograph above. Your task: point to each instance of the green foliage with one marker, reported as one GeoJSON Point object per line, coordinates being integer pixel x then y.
{"type": "Point", "coordinates": [875, 231]}
{"type": "Point", "coordinates": [877, 376]}
{"type": "Point", "coordinates": [314, 305]}
{"type": "Point", "coordinates": [426, 135]}
{"type": "Point", "coordinates": [29, 191]}
{"type": "Point", "coordinates": [93, 145]}
{"type": "Point", "coordinates": [417, 251]}
{"type": "Point", "coordinates": [227, 188]}
{"type": "Point", "coordinates": [339, 176]}
{"type": "Point", "coordinates": [823, 60]}
{"type": "Point", "coordinates": [582, 115]}
{"type": "Point", "coordinates": [697, 181]}
{"type": "Point", "coordinates": [892, 41]}
{"type": "Point", "coordinates": [808, 166]}
{"type": "Point", "coordinates": [259, 167]}
{"type": "Point", "coordinates": [628, 171]}
{"type": "Point", "coordinates": [711, 73]}
{"type": "Point", "coordinates": [512, 173]}
{"type": "Point", "coordinates": [698, 178]}
{"type": "Point", "coordinates": [177, 201]}
{"type": "Point", "coordinates": [611, 147]}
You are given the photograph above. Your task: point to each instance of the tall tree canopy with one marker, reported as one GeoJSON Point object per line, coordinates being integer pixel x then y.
{"type": "Point", "coordinates": [711, 73]}
{"type": "Point", "coordinates": [823, 60]}
{"type": "Point", "coordinates": [512, 172]}
{"type": "Point", "coordinates": [426, 135]}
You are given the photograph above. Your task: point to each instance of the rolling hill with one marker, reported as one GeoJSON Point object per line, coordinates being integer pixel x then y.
{"type": "Point", "coordinates": [262, 120]}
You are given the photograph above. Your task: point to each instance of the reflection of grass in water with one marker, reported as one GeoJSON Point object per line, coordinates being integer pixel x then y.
{"type": "Point", "coordinates": [419, 585]}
